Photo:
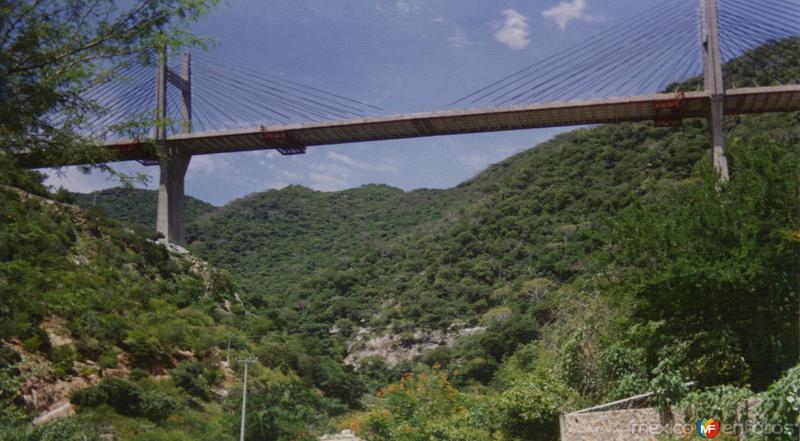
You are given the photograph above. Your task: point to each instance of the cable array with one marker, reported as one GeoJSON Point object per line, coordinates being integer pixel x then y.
{"type": "Point", "coordinates": [224, 96]}
{"type": "Point", "coordinates": [657, 49]}
{"type": "Point", "coordinates": [746, 28]}
{"type": "Point", "coordinates": [645, 54]}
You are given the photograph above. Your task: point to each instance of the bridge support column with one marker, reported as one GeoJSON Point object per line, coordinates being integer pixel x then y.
{"type": "Point", "coordinates": [714, 86]}
{"type": "Point", "coordinates": [171, 196]}
{"type": "Point", "coordinates": [173, 164]}
{"type": "Point", "coordinates": [717, 128]}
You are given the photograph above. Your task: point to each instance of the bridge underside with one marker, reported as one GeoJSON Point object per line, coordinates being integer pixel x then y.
{"type": "Point", "coordinates": [662, 108]}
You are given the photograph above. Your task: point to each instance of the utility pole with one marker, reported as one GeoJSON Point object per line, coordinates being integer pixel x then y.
{"type": "Point", "coordinates": [714, 86]}
{"type": "Point", "coordinates": [244, 397]}
{"type": "Point", "coordinates": [228, 355]}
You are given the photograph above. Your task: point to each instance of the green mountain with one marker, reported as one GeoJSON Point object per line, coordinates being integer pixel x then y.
{"type": "Point", "coordinates": [96, 318]}
{"type": "Point", "coordinates": [136, 206]}
{"type": "Point", "coordinates": [604, 263]}
{"type": "Point", "coordinates": [432, 258]}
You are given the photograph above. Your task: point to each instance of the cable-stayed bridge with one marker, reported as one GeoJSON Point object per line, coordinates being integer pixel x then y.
{"type": "Point", "coordinates": [680, 59]}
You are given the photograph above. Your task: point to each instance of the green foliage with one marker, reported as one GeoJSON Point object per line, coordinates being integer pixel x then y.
{"type": "Point", "coordinates": [65, 429]}
{"type": "Point", "coordinates": [63, 357]}
{"type": "Point", "coordinates": [530, 408]}
{"type": "Point", "coordinates": [137, 206]}
{"type": "Point", "coordinates": [196, 378]}
{"type": "Point", "coordinates": [422, 407]}
{"type": "Point", "coordinates": [717, 268]}
{"type": "Point", "coordinates": [721, 402]}
{"type": "Point", "coordinates": [607, 259]}
{"type": "Point", "coordinates": [667, 385]}
{"type": "Point", "coordinates": [157, 406]}
{"type": "Point", "coordinates": [339, 382]}
{"type": "Point", "coordinates": [52, 50]}
{"type": "Point", "coordinates": [127, 398]}
{"type": "Point", "coordinates": [89, 397]}
{"type": "Point", "coordinates": [279, 410]}
{"type": "Point", "coordinates": [780, 406]}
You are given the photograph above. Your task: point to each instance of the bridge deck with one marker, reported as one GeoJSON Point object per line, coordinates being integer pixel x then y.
{"type": "Point", "coordinates": [612, 110]}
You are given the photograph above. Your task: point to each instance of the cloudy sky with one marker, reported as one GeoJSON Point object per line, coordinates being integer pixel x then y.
{"type": "Point", "coordinates": [400, 55]}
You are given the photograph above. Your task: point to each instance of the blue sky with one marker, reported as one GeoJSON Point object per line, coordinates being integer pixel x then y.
{"type": "Point", "coordinates": [401, 55]}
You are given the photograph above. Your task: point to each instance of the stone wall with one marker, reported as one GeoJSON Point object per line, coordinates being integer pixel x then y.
{"type": "Point", "coordinates": [620, 425]}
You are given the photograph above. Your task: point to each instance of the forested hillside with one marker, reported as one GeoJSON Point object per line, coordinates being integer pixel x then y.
{"type": "Point", "coordinates": [97, 319]}
{"type": "Point", "coordinates": [607, 262]}
{"type": "Point", "coordinates": [136, 206]}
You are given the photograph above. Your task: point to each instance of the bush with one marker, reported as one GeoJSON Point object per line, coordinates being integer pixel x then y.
{"type": "Point", "coordinates": [89, 397]}
{"type": "Point", "coordinates": [189, 376]}
{"type": "Point", "coordinates": [720, 402]}
{"type": "Point", "coordinates": [157, 406]}
{"type": "Point", "coordinates": [138, 374]}
{"type": "Point", "coordinates": [39, 341]}
{"type": "Point", "coordinates": [65, 429]}
{"type": "Point", "coordinates": [127, 399]}
{"type": "Point", "coordinates": [780, 406]}
{"type": "Point", "coordinates": [63, 357]}
{"type": "Point", "coordinates": [124, 396]}
{"type": "Point", "coordinates": [8, 357]}
{"type": "Point", "coordinates": [668, 385]}
{"type": "Point", "coordinates": [530, 409]}
{"type": "Point", "coordinates": [145, 348]}
{"type": "Point", "coordinates": [107, 360]}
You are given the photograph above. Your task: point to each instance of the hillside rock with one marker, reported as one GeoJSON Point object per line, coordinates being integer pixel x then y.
{"type": "Point", "coordinates": [394, 349]}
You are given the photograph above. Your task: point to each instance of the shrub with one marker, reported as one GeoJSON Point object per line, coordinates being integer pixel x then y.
{"type": "Point", "coordinates": [157, 406]}
{"type": "Point", "coordinates": [63, 357]}
{"type": "Point", "coordinates": [720, 402]}
{"type": "Point", "coordinates": [189, 376]}
{"type": "Point", "coordinates": [138, 374]}
{"type": "Point", "coordinates": [8, 357]}
{"type": "Point", "coordinates": [668, 385]}
{"type": "Point", "coordinates": [107, 360]}
{"type": "Point", "coordinates": [145, 348]}
{"type": "Point", "coordinates": [125, 397]}
{"type": "Point", "coordinates": [780, 406]}
{"type": "Point", "coordinates": [65, 429]}
{"type": "Point", "coordinates": [39, 341]}
{"type": "Point", "coordinates": [530, 408]}
{"type": "Point", "coordinates": [89, 397]}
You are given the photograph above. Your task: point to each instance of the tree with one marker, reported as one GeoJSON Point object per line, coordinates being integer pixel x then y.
{"type": "Point", "coordinates": [51, 50]}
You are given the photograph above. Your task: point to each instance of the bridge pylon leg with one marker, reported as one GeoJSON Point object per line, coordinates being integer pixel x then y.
{"type": "Point", "coordinates": [173, 164]}
{"type": "Point", "coordinates": [714, 86]}
{"type": "Point", "coordinates": [717, 128]}
{"type": "Point", "coordinates": [170, 221]}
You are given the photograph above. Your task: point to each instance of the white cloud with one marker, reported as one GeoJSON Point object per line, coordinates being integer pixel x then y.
{"type": "Point", "coordinates": [514, 30]}
{"type": "Point", "coordinates": [475, 163]}
{"type": "Point", "coordinates": [458, 39]}
{"type": "Point", "coordinates": [72, 179]}
{"type": "Point", "coordinates": [362, 165]}
{"type": "Point", "coordinates": [406, 7]}
{"type": "Point", "coordinates": [208, 165]}
{"type": "Point", "coordinates": [327, 178]}
{"type": "Point", "coordinates": [566, 12]}
{"type": "Point", "coordinates": [340, 171]}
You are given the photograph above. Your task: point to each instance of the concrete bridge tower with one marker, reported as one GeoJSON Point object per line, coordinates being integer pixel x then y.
{"type": "Point", "coordinates": [714, 86]}
{"type": "Point", "coordinates": [173, 163]}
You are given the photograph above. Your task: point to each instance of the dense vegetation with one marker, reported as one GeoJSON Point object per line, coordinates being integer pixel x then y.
{"type": "Point", "coordinates": [606, 262]}
{"type": "Point", "coordinates": [635, 273]}
{"type": "Point", "coordinates": [148, 328]}
{"type": "Point", "coordinates": [136, 206]}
